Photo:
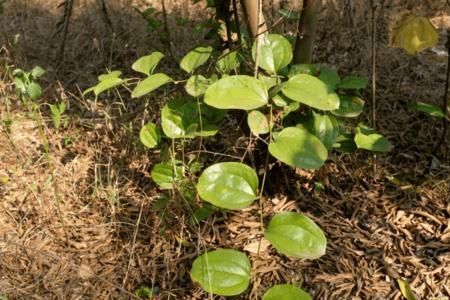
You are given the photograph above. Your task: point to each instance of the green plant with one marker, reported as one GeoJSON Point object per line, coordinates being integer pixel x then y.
{"type": "Point", "coordinates": [26, 83]}
{"type": "Point", "coordinates": [58, 117]}
{"type": "Point", "coordinates": [297, 110]}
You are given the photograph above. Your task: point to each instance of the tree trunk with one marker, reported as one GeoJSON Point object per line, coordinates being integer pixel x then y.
{"type": "Point", "coordinates": [307, 26]}
{"type": "Point", "coordinates": [250, 8]}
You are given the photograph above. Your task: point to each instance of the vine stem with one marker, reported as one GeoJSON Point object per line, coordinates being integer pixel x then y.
{"type": "Point", "coordinates": [374, 76]}
{"type": "Point", "coordinates": [445, 102]}
{"type": "Point", "coordinates": [258, 38]}
{"type": "Point", "coordinates": [261, 207]}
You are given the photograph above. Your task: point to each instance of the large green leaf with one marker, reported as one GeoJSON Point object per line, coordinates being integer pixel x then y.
{"type": "Point", "coordinates": [311, 91]}
{"type": "Point", "coordinates": [296, 235]}
{"type": "Point", "coordinates": [298, 148]}
{"type": "Point", "coordinates": [165, 175]}
{"type": "Point", "coordinates": [353, 83]}
{"type": "Point", "coordinates": [197, 85]}
{"type": "Point", "coordinates": [149, 84]}
{"type": "Point", "coordinates": [147, 64]}
{"type": "Point", "coordinates": [257, 122]}
{"type": "Point", "coordinates": [275, 52]}
{"type": "Point", "coordinates": [367, 138]}
{"type": "Point", "coordinates": [223, 272]}
{"type": "Point", "coordinates": [432, 110]}
{"type": "Point", "coordinates": [195, 58]}
{"type": "Point", "coordinates": [237, 92]}
{"type": "Point", "coordinates": [286, 292]}
{"type": "Point", "coordinates": [350, 106]}
{"type": "Point", "coordinates": [325, 127]}
{"type": "Point", "coordinates": [150, 135]}
{"type": "Point", "coordinates": [228, 185]}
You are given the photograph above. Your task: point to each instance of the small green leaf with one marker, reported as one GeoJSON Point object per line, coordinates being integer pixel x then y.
{"type": "Point", "coordinates": [237, 92]}
{"type": "Point", "coordinates": [165, 175]}
{"type": "Point", "coordinates": [325, 127]}
{"type": "Point", "coordinates": [179, 119]}
{"type": "Point", "coordinates": [289, 14]}
{"type": "Point", "coordinates": [298, 148]}
{"type": "Point", "coordinates": [345, 143]}
{"type": "Point", "coordinates": [406, 289]}
{"type": "Point", "coordinates": [275, 52]}
{"type": "Point", "coordinates": [367, 138]}
{"type": "Point", "coordinates": [311, 91]}
{"type": "Point", "coordinates": [37, 72]}
{"type": "Point", "coordinates": [148, 63]}
{"type": "Point", "coordinates": [350, 106]}
{"type": "Point", "coordinates": [432, 110]}
{"type": "Point", "coordinates": [150, 135]}
{"type": "Point", "coordinates": [257, 122]}
{"type": "Point", "coordinates": [228, 62]}
{"type": "Point", "coordinates": [223, 272]}
{"type": "Point", "coordinates": [330, 77]}
{"type": "Point", "coordinates": [309, 69]}
{"type": "Point", "coordinates": [286, 292]}
{"type": "Point", "coordinates": [197, 85]}
{"type": "Point", "coordinates": [110, 75]}
{"type": "Point", "coordinates": [34, 90]}
{"type": "Point", "coordinates": [296, 235]}
{"type": "Point", "coordinates": [353, 83]}
{"type": "Point", "coordinates": [106, 84]}
{"type": "Point", "coordinates": [195, 58]}
{"type": "Point", "coordinates": [229, 185]}
{"type": "Point", "coordinates": [201, 213]}
{"type": "Point", "coordinates": [149, 84]}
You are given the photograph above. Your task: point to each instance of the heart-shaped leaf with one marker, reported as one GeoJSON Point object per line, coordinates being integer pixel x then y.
{"type": "Point", "coordinates": [150, 135]}
{"type": "Point", "coordinates": [309, 69]}
{"type": "Point", "coordinates": [367, 138]}
{"type": "Point", "coordinates": [180, 119]}
{"type": "Point", "coordinates": [223, 272]}
{"type": "Point", "coordinates": [148, 63]}
{"type": "Point", "coordinates": [229, 185]}
{"type": "Point", "coordinates": [149, 84]}
{"type": "Point", "coordinates": [257, 122]}
{"type": "Point", "coordinates": [330, 77]}
{"type": "Point", "coordinates": [228, 62]}
{"type": "Point", "coordinates": [197, 85]}
{"type": "Point", "coordinates": [325, 127]}
{"type": "Point", "coordinates": [165, 175]}
{"type": "Point", "coordinates": [311, 91]}
{"type": "Point", "coordinates": [275, 52]}
{"type": "Point", "coordinates": [286, 292]}
{"type": "Point", "coordinates": [237, 92]}
{"type": "Point", "coordinates": [350, 106]}
{"type": "Point", "coordinates": [353, 83]}
{"type": "Point", "coordinates": [298, 148]}
{"type": "Point", "coordinates": [296, 235]}
{"type": "Point", "coordinates": [414, 34]}
{"type": "Point", "coordinates": [195, 58]}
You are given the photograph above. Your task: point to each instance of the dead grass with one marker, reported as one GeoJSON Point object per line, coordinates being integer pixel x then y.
{"type": "Point", "coordinates": [378, 230]}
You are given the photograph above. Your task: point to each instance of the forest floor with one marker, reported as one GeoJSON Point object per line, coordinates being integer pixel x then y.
{"type": "Point", "coordinates": [117, 237]}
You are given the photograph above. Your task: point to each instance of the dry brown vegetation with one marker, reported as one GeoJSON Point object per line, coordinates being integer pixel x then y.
{"type": "Point", "coordinates": [397, 225]}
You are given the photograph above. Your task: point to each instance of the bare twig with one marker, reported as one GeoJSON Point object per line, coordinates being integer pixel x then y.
{"type": "Point", "coordinates": [373, 8]}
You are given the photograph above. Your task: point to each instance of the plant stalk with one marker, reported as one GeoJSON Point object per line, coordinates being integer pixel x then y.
{"type": "Point", "coordinates": [306, 34]}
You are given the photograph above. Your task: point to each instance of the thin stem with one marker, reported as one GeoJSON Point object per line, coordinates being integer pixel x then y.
{"type": "Point", "coordinates": [374, 76]}
{"type": "Point", "coordinates": [445, 102]}
{"type": "Point", "coordinates": [257, 39]}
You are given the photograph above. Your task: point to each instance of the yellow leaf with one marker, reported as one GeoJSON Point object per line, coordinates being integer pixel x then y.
{"type": "Point", "coordinates": [414, 34]}
{"type": "Point", "coordinates": [406, 289]}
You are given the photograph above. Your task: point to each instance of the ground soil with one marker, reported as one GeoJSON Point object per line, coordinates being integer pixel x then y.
{"type": "Point", "coordinates": [107, 238]}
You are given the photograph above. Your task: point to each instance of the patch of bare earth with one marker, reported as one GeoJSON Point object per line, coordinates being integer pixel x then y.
{"type": "Point", "coordinates": [109, 236]}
